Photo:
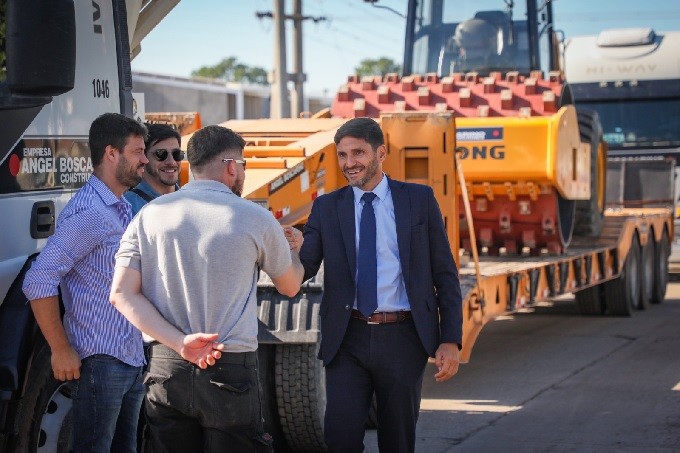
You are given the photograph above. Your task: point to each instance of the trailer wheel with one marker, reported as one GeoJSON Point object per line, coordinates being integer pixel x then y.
{"type": "Point", "coordinates": [622, 295]}
{"type": "Point", "coordinates": [589, 301]}
{"type": "Point", "coordinates": [301, 396]}
{"type": "Point", "coordinates": [44, 421]}
{"type": "Point", "coordinates": [662, 252]}
{"type": "Point", "coordinates": [647, 273]}
{"type": "Point", "coordinates": [590, 213]}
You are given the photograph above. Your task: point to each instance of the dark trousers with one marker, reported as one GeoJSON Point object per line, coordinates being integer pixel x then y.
{"type": "Point", "coordinates": [213, 410]}
{"type": "Point", "coordinates": [387, 359]}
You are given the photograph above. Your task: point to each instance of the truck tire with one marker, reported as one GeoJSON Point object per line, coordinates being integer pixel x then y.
{"type": "Point", "coordinates": [589, 301]}
{"type": "Point", "coordinates": [647, 273]}
{"type": "Point", "coordinates": [44, 415]}
{"type": "Point", "coordinates": [622, 294]}
{"type": "Point", "coordinates": [266, 355]}
{"type": "Point", "coordinates": [662, 250]}
{"type": "Point", "coordinates": [301, 396]}
{"type": "Point", "coordinates": [590, 213]}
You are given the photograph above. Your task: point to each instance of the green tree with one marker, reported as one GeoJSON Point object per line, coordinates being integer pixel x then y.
{"type": "Point", "coordinates": [231, 70]}
{"type": "Point", "coordinates": [380, 66]}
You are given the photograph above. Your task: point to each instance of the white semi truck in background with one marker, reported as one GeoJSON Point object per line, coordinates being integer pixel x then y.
{"type": "Point", "coordinates": [631, 78]}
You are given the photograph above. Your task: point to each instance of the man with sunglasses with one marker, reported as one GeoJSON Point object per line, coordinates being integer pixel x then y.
{"type": "Point", "coordinates": [162, 172]}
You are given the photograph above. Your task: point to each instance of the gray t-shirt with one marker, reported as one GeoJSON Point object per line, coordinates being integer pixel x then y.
{"type": "Point", "coordinates": [198, 250]}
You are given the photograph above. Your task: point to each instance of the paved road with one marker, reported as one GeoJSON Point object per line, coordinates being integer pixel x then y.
{"type": "Point", "coordinates": [553, 381]}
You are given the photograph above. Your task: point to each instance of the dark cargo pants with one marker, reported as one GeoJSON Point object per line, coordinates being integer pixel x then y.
{"type": "Point", "coordinates": [213, 410]}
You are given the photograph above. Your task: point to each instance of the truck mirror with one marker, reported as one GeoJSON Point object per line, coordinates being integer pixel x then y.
{"type": "Point", "coordinates": [40, 47]}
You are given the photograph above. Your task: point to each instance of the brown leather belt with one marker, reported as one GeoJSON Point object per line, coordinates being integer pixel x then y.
{"type": "Point", "coordinates": [383, 317]}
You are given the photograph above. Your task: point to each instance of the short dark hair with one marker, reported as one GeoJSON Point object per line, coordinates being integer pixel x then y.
{"type": "Point", "coordinates": [112, 129]}
{"type": "Point", "coordinates": [158, 133]}
{"type": "Point", "coordinates": [211, 141]}
{"type": "Point", "coordinates": [364, 128]}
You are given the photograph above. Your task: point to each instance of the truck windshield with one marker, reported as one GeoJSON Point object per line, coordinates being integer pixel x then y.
{"type": "Point", "coordinates": [645, 123]}
{"type": "Point", "coordinates": [470, 35]}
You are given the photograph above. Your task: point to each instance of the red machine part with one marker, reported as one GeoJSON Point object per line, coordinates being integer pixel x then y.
{"type": "Point", "coordinates": [467, 95]}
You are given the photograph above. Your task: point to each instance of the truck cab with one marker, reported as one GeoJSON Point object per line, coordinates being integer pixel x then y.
{"type": "Point", "coordinates": [631, 77]}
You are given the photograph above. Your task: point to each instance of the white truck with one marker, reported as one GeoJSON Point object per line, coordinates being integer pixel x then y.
{"type": "Point", "coordinates": [631, 78]}
{"type": "Point", "coordinates": [62, 63]}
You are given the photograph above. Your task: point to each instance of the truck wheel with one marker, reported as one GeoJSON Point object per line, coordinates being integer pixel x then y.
{"type": "Point", "coordinates": [301, 396]}
{"type": "Point", "coordinates": [589, 301]}
{"type": "Point", "coordinates": [647, 273]}
{"type": "Point", "coordinates": [266, 355]}
{"type": "Point", "coordinates": [622, 295]}
{"type": "Point", "coordinates": [44, 415]}
{"type": "Point", "coordinates": [590, 213]}
{"type": "Point", "coordinates": [662, 252]}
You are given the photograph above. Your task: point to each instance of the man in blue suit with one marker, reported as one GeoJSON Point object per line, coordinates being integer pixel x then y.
{"type": "Point", "coordinates": [391, 294]}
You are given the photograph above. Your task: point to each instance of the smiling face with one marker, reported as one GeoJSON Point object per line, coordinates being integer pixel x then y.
{"type": "Point", "coordinates": [162, 174]}
{"type": "Point", "coordinates": [361, 165]}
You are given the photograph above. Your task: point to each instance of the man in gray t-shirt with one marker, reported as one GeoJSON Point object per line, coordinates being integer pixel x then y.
{"type": "Point", "coordinates": [186, 275]}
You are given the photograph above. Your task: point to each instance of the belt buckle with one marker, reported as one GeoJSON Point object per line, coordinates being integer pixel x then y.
{"type": "Point", "coordinates": [368, 320]}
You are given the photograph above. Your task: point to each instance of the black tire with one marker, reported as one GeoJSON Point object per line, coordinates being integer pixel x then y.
{"type": "Point", "coordinates": [622, 294]}
{"type": "Point", "coordinates": [266, 356]}
{"type": "Point", "coordinates": [566, 215]}
{"type": "Point", "coordinates": [44, 414]}
{"type": "Point", "coordinates": [590, 213]}
{"type": "Point", "coordinates": [589, 301]}
{"type": "Point", "coordinates": [301, 396]}
{"type": "Point", "coordinates": [647, 273]}
{"type": "Point", "coordinates": [662, 250]}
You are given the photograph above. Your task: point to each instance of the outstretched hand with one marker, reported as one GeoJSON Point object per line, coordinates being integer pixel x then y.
{"type": "Point", "coordinates": [201, 349]}
{"type": "Point", "coordinates": [447, 360]}
{"type": "Point", "coordinates": [294, 237]}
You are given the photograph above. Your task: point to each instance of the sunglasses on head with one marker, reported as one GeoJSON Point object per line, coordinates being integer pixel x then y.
{"type": "Point", "coordinates": [162, 154]}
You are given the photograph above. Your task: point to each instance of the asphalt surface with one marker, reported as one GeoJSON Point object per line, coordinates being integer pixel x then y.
{"type": "Point", "coordinates": [554, 381]}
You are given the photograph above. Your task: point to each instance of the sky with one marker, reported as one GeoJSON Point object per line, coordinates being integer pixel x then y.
{"type": "Point", "coordinates": [202, 32]}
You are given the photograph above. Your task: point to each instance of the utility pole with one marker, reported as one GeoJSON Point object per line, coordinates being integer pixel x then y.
{"type": "Point", "coordinates": [297, 97]}
{"type": "Point", "coordinates": [280, 107]}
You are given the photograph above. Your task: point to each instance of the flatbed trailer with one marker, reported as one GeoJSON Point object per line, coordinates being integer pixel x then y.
{"type": "Point", "coordinates": [601, 272]}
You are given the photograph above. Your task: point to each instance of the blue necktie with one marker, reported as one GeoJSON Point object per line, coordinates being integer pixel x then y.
{"type": "Point", "coordinates": [367, 275]}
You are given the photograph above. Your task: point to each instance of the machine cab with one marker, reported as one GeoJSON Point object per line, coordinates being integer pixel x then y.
{"type": "Point", "coordinates": [454, 36]}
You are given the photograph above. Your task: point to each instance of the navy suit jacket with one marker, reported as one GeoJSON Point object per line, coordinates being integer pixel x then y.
{"type": "Point", "coordinates": [427, 265]}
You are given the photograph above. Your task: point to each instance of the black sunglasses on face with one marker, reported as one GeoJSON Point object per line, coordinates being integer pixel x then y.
{"type": "Point", "coordinates": [162, 154]}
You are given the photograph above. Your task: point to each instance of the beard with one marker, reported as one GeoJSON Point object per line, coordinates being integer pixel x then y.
{"type": "Point", "coordinates": [371, 170]}
{"type": "Point", "coordinates": [125, 174]}
{"type": "Point", "coordinates": [237, 188]}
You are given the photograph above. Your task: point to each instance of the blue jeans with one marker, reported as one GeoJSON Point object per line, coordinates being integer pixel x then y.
{"type": "Point", "coordinates": [106, 402]}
